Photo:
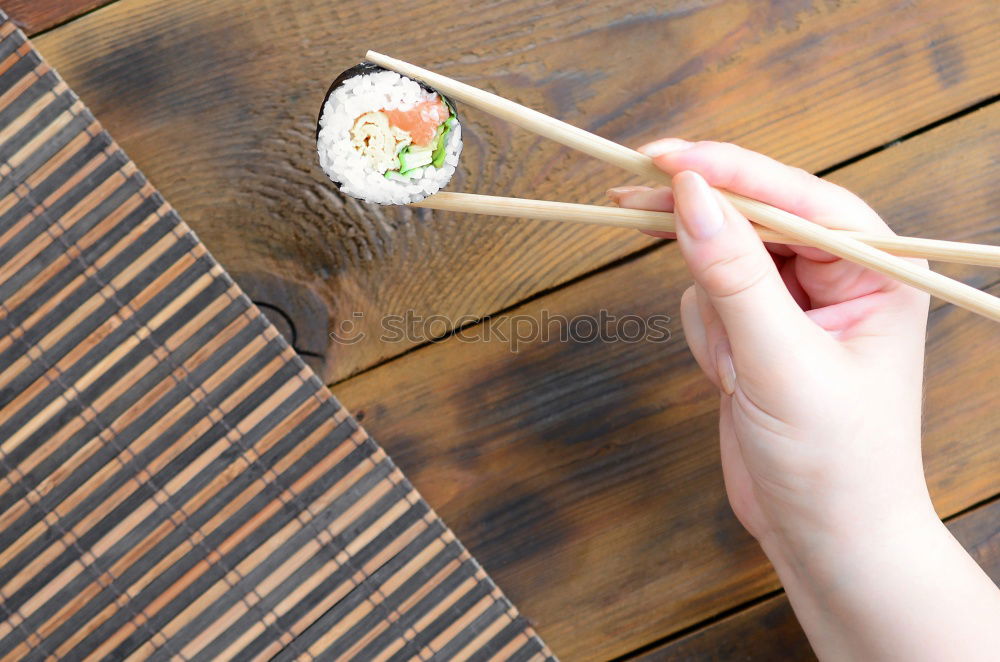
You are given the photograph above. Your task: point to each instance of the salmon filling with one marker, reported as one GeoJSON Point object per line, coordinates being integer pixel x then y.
{"type": "Point", "coordinates": [421, 121]}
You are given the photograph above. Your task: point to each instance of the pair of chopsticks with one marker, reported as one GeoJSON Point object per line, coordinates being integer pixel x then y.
{"type": "Point", "coordinates": [876, 252]}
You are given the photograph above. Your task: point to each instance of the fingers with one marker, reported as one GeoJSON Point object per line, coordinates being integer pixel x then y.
{"type": "Point", "coordinates": [821, 278]}
{"type": "Point", "coordinates": [718, 348]}
{"type": "Point", "coordinates": [616, 193]}
{"type": "Point", "coordinates": [762, 178]}
{"type": "Point", "coordinates": [696, 334]}
{"type": "Point", "coordinates": [643, 197]}
{"type": "Point", "coordinates": [901, 313]}
{"type": "Point", "coordinates": [830, 283]}
{"type": "Point", "coordinates": [707, 339]}
{"type": "Point", "coordinates": [738, 276]}
{"type": "Point", "coordinates": [788, 275]}
{"type": "Point", "coordinates": [779, 249]}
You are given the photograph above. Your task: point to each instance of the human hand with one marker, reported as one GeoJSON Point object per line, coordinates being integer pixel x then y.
{"type": "Point", "coordinates": [819, 363]}
{"type": "Point", "coordinates": [819, 360]}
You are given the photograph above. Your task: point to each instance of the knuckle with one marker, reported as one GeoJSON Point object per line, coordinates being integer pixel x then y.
{"type": "Point", "coordinates": [734, 275]}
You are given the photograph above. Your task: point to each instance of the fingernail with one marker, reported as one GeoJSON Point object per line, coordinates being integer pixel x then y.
{"type": "Point", "coordinates": [697, 207]}
{"type": "Point", "coordinates": [650, 199]}
{"type": "Point", "coordinates": [664, 146]}
{"type": "Point", "coordinates": [617, 192]}
{"type": "Point", "coordinates": [727, 371]}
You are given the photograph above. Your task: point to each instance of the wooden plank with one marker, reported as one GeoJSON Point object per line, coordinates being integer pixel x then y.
{"type": "Point", "coordinates": [769, 631]}
{"type": "Point", "coordinates": [34, 16]}
{"type": "Point", "coordinates": [217, 102]}
{"type": "Point", "coordinates": [585, 475]}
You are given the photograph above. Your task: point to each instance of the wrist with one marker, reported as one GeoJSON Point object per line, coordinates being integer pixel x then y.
{"type": "Point", "coordinates": [908, 591]}
{"type": "Point", "coordinates": [832, 550]}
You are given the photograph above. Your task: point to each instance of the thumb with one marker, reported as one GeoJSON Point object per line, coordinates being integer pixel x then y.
{"type": "Point", "coordinates": [729, 261]}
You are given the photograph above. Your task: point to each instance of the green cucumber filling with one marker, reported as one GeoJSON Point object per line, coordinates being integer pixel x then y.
{"type": "Point", "coordinates": [412, 157]}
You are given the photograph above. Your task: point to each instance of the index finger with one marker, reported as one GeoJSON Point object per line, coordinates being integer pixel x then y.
{"type": "Point", "coordinates": [740, 170]}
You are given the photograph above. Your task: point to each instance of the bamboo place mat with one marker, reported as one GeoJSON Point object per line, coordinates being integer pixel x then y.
{"type": "Point", "coordinates": [177, 482]}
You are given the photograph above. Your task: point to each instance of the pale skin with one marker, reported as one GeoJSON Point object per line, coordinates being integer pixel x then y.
{"type": "Point", "coordinates": [819, 365]}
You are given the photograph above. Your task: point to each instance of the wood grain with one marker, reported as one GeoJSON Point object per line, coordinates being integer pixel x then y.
{"type": "Point", "coordinates": [769, 631]}
{"type": "Point", "coordinates": [584, 475]}
{"type": "Point", "coordinates": [34, 16]}
{"type": "Point", "coordinates": [217, 102]}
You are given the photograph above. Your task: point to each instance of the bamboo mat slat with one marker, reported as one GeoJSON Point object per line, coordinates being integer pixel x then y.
{"type": "Point", "coordinates": [176, 482]}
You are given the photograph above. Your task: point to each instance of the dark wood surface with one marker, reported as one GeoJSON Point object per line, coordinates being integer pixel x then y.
{"type": "Point", "coordinates": [768, 631]}
{"type": "Point", "coordinates": [217, 101]}
{"type": "Point", "coordinates": [622, 534]}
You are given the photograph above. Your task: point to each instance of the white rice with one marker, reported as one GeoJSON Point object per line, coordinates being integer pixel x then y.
{"type": "Point", "coordinates": [343, 164]}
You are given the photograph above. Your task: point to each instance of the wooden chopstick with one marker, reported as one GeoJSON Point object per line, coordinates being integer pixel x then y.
{"type": "Point", "coordinates": [800, 230]}
{"type": "Point", "coordinates": [545, 210]}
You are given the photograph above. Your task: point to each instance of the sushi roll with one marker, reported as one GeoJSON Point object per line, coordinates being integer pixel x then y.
{"type": "Point", "coordinates": [386, 138]}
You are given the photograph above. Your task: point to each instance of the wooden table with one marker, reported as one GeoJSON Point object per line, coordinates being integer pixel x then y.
{"type": "Point", "coordinates": [584, 475]}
